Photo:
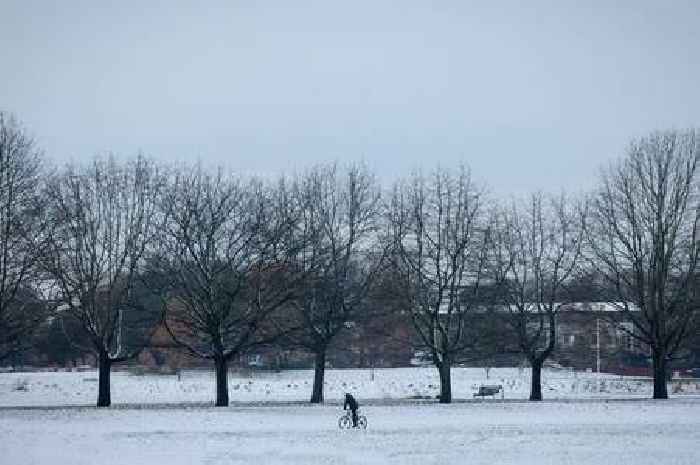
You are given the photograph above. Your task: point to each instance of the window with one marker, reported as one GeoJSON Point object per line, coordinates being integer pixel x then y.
{"type": "Point", "coordinates": [567, 339]}
{"type": "Point", "coordinates": [624, 336]}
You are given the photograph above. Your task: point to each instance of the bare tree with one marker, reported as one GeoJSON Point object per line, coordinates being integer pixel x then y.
{"type": "Point", "coordinates": [225, 253]}
{"type": "Point", "coordinates": [644, 243]}
{"type": "Point", "coordinates": [440, 229]}
{"type": "Point", "coordinates": [536, 250]}
{"type": "Point", "coordinates": [22, 232]}
{"type": "Point", "coordinates": [105, 216]}
{"type": "Point", "coordinates": [339, 219]}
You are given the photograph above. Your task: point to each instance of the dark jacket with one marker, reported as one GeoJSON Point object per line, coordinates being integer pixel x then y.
{"type": "Point", "coordinates": [350, 402]}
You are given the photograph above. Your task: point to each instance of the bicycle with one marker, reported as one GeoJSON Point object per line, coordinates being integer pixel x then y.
{"type": "Point", "coordinates": [345, 421]}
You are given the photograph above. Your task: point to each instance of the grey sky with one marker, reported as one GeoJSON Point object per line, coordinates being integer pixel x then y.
{"type": "Point", "coordinates": [531, 97]}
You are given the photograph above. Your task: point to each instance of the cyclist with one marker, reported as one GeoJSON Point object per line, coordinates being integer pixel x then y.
{"type": "Point", "coordinates": [352, 403]}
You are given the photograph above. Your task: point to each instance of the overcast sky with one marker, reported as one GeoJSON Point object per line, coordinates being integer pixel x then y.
{"type": "Point", "coordinates": [532, 95]}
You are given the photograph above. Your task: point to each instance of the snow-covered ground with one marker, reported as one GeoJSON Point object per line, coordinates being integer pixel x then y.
{"type": "Point", "coordinates": [582, 432]}
{"type": "Point", "coordinates": [586, 419]}
{"type": "Point", "coordinates": [80, 388]}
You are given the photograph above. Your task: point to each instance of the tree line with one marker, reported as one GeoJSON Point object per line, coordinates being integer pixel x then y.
{"type": "Point", "coordinates": [113, 248]}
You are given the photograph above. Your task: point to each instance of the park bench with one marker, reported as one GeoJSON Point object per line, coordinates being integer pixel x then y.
{"type": "Point", "coordinates": [489, 390]}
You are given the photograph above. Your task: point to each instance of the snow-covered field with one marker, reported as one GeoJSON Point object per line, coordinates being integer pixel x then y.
{"type": "Point", "coordinates": [80, 388]}
{"type": "Point", "coordinates": [582, 432]}
{"type": "Point", "coordinates": [587, 419]}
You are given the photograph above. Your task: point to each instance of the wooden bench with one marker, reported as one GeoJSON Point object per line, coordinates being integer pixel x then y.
{"type": "Point", "coordinates": [489, 390]}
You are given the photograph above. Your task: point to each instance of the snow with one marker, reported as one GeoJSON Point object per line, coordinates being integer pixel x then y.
{"type": "Point", "coordinates": [47, 418]}
{"type": "Point", "coordinates": [80, 388]}
{"type": "Point", "coordinates": [490, 432]}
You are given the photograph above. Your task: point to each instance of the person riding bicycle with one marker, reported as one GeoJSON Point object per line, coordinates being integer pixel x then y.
{"type": "Point", "coordinates": [352, 403]}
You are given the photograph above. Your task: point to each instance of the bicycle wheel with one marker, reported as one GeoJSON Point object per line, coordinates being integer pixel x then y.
{"type": "Point", "coordinates": [362, 422]}
{"type": "Point", "coordinates": [345, 422]}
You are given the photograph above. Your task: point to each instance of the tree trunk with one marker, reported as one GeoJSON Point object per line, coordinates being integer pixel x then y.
{"type": "Point", "coordinates": [221, 381]}
{"type": "Point", "coordinates": [660, 388]}
{"type": "Point", "coordinates": [104, 398]}
{"type": "Point", "coordinates": [445, 381]}
{"type": "Point", "coordinates": [536, 382]}
{"type": "Point", "coordinates": [319, 372]}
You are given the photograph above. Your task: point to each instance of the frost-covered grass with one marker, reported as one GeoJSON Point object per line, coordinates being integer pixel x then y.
{"type": "Point", "coordinates": [80, 388]}
{"type": "Point", "coordinates": [582, 432]}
